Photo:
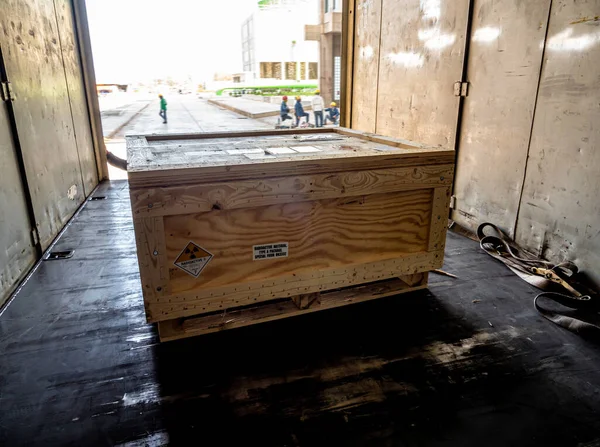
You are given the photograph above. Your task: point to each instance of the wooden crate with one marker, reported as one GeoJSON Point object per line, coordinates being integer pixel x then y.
{"type": "Point", "coordinates": [230, 222]}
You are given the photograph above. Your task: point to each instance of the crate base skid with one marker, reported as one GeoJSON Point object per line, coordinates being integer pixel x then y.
{"type": "Point", "coordinates": [275, 310]}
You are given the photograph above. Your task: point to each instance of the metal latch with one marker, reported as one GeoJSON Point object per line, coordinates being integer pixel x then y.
{"type": "Point", "coordinates": [461, 88]}
{"type": "Point", "coordinates": [6, 92]}
{"type": "Point", "coordinates": [452, 202]}
{"type": "Point", "coordinates": [35, 236]}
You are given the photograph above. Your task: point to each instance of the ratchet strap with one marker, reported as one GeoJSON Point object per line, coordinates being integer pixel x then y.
{"type": "Point", "coordinates": [577, 312]}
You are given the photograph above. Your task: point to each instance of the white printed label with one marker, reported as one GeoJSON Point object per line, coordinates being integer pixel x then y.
{"type": "Point", "coordinates": [270, 251]}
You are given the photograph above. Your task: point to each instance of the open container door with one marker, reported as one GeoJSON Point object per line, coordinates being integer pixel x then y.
{"type": "Point", "coordinates": [504, 66]}
{"type": "Point", "coordinates": [42, 64]}
{"type": "Point", "coordinates": [17, 252]}
{"type": "Point", "coordinates": [406, 61]}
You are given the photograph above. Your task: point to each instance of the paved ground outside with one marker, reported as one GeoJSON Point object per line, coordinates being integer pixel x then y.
{"type": "Point", "coordinates": [185, 113]}
{"type": "Point", "coordinates": [253, 108]}
{"type": "Point", "coordinates": [115, 120]}
{"type": "Point", "coordinates": [247, 107]}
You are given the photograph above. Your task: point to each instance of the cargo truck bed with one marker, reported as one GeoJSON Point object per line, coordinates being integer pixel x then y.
{"type": "Point", "coordinates": [466, 363]}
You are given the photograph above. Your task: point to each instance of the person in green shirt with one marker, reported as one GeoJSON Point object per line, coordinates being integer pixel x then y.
{"type": "Point", "coordinates": [163, 108]}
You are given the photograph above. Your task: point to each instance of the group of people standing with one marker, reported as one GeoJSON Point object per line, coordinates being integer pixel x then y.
{"type": "Point", "coordinates": [318, 107]}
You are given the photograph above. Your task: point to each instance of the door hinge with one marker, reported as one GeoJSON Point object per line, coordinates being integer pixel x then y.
{"type": "Point", "coordinates": [6, 92]}
{"type": "Point", "coordinates": [452, 202]}
{"type": "Point", "coordinates": [461, 88]}
{"type": "Point", "coordinates": [35, 236]}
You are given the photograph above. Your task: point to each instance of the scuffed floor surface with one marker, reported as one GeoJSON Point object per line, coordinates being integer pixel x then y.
{"type": "Point", "coordinates": [467, 363]}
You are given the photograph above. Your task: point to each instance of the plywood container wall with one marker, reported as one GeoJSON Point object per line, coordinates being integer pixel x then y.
{"type": "Point", "coordinates": [40, 56]}
{"type": "Point", "coordinates": [559, 214]}
{"type": "Point", "coordinates": [50, 110]}
{"type": "Point", "coordinates": [526, 127]}
{"type": "Point", "coordinates": [493, 142]}
{"type": "Point", "coordinates": [407, 57]}
{"type": "Point", "coordinates": [527, 157]}
{"type": "Point", "coordinates": [17, 251]}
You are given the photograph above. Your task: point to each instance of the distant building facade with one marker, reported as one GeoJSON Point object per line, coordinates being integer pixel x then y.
{"type": "Point", "coordinates": [329, 35]}
{"type": "Point", "coordinates": [111, 88]}
{"type": "Point", "coordinates": [274, 50]}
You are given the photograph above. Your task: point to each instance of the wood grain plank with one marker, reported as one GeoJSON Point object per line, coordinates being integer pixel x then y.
{"type": "Point", "coordinates": [195, 303]}
{"type": "Point", "coordinates": [414, 98]}
{"type": "Point", "coordinates": [406, 157]}
{"type": "Point", "coordinates": [439, 218]}
{"type": "Point", "coordinates": [176, 329]}
{"type": "Point", "coordinates": [152, 258]}
{"type": "Point", "coordinates": [367, 28]}
{"type": "Point", "coordinates": [375, 138]}
{"type": "Point", "coordinates": [349, 7]}
{"type": "Point", "coordinates": [253, 193]}
{"type": "Point", "coordinates": [207, 160]}
{"type": "Point", "coordinates": [306, 300]}
{"type": "Point", "coordinates": [321, 234]}
{"type": "Point", "coordinates": [234, 134]}
{"type": "Point", "coordinates": [39, 70]}
{"type": "Point", "coordinates": [137, 151]}
{"type": "Point", "coordinates": [416, 278]}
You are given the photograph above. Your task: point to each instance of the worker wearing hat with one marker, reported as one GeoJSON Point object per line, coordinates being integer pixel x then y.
{"type": "Point", "coordinates": [318, 104]}
{"type": "Point", "coordinates": [299, 110]}
{"type": "Point", "coordinates": [284, 110]}
{"type": "Point", "coordinates": [334, 113]}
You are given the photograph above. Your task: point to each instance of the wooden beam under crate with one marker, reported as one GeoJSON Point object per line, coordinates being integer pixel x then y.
{"type": "Point", "coordinates": [188, 327]}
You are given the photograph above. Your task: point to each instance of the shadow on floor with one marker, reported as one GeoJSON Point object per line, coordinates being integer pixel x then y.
{"type": "Point", "coordinates": [399, 371]}
{"type": "Point", "coordinates": [467, 363]}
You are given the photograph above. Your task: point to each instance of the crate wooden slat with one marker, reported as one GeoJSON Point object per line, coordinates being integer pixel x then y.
{"type": "Point", "coordinates": [276, 310]}
{"type": "Point", "coordinates": [346, 208]}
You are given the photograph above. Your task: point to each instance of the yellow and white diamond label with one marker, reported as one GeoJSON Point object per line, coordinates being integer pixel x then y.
{"type": "Point", "coordinates": [193, 259]}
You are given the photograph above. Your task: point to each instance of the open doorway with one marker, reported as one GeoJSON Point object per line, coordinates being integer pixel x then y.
{"type": "Point", "coordinates": [219, 66]}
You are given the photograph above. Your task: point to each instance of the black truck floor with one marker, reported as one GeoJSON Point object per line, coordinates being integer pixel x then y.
{"type": "Point", "coordinates": [467, 363]}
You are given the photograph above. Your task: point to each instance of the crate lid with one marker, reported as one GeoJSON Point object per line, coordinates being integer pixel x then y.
{"type": "Point", "coordinates": [156, 160]}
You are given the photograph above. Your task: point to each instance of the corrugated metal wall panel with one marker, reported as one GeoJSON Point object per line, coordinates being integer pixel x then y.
{"type": "Point", "coordinates": [77, 96]}
{"type": "Point", "coordinates": [560, 209]}
{"type": "Point", "coordinates": [503, 72]}
{"type": "Point", "coordinates": [421, 57]}
{"type": "Point", "coordinates": [17, 253]}
{"type": "Point", "coordinates": [31, 43]}
{"type": "Point", "coordinates": [527, 157]}
{"type": "Point", "coordinates": [366, 56]}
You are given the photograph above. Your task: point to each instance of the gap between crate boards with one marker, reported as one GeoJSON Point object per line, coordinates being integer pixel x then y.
{"type": "Point", "coordinates": [288, 307]}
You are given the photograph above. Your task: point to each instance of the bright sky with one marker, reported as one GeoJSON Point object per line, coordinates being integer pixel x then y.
{"type": "Point", "coordinates": [141, 40]}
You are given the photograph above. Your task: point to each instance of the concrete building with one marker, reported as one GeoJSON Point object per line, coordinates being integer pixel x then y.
{"type": "Point", "coordinates": [274, 50]}
{"type": "Point", "coordinates": [329, 35]}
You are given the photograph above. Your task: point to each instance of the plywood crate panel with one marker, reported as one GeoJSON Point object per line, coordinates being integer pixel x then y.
{"type": "Point", "coordinates": [228, 220]}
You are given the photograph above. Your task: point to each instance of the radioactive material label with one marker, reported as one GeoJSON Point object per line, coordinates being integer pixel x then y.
{"type": "Point", "coordinates": [193, 259]}
{"type": "Point", "coordinates": [270, 251]}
